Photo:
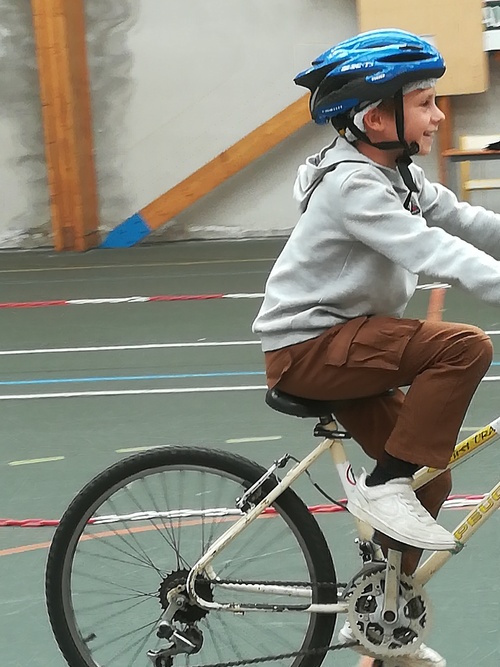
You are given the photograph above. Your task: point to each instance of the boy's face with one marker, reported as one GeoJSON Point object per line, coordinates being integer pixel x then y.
{"type": "Point", "coordinates": [421, 120]}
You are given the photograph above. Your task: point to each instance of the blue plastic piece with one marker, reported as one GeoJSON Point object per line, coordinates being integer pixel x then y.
{"type": "Point", "coordinates": [127, 233]}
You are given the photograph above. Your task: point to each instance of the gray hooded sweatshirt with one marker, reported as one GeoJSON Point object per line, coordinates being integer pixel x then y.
{"type": "Point", "coordinates": [356, 251]}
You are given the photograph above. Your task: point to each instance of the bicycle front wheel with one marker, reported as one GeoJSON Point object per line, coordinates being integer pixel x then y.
{"type": "Point", "coordinates": [132, 535]}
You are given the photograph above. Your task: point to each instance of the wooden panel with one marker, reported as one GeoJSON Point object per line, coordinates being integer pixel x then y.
{"type": "Point", "coordinates": [455, 27]}
{"type": "Point", "coordinates": [444, 136]}
{"type": "Point", "coordinates": [64, 89]}
{"type": "Point", "coordinates": [228, 163]}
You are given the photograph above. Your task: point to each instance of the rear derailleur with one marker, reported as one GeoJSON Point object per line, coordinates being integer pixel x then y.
{"type": "Point", "coordinates": [187, 640]}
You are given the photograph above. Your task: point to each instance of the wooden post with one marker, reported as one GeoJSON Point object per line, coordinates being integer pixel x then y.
{"type": "Point", "coordinates": [59, 27]}
{"type": "Point", "coordinates": [445, 137]}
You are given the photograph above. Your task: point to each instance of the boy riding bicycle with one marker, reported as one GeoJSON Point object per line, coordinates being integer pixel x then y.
{"type": "Point", "coordinates": [331, 322]}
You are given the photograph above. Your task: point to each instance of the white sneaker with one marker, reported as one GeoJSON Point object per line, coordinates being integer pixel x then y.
{"type": "Point", "coordinates": [394, 509]}
{"type": "Point", "coordinates": [424, 656]}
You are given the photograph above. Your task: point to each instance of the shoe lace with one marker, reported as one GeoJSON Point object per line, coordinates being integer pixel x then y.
{"type": "Point", "coordinates": [414, 506]}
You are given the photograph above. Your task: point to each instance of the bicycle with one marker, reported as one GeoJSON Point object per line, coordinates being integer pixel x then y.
{"type": "Point", "coordinates": [186, 556]}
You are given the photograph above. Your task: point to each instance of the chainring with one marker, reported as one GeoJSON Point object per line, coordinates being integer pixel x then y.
{"type": "Point", "coordinates": [377, 636]}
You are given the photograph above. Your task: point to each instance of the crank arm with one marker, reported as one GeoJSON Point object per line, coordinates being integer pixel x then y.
{"type": "Point", "coordinates": [391, 589]}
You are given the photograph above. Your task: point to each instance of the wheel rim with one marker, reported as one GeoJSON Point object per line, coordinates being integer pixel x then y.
{"type": "Point", "coordinates": [113, 573]}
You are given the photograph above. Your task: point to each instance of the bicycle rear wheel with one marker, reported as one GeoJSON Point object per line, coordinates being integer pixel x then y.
{"type": "Point", "coordinates": [133, 533]}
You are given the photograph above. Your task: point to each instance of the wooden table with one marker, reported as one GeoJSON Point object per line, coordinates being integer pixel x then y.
{"type": "Point", "coordinates": [456, 155]}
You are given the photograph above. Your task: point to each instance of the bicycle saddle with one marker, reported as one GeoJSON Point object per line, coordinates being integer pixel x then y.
{"type": "Point", "coordinates": [304, 407]}
{"type": "Point", "coordinates": [298, 407]}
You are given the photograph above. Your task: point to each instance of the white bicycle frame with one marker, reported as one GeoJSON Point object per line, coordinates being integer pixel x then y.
{"type": "Point", "coordinates": [463, 532]}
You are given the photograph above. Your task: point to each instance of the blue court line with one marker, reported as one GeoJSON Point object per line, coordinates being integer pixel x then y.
{"type": "Point", "coordinates": [132, 378]}
{"type": "Point", "coordinates": [117, 378]}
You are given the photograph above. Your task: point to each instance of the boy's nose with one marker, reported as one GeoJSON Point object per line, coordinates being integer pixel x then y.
{"type": "Point", "coordinates": [439, 115]}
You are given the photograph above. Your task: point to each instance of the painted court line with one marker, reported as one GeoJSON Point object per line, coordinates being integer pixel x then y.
{"type": "Point", "coordinates": [471, 429]}
{"type": "Point", "coordinates": [118, 348]}
{"type": "Point", "coordinates": [151, 377]}
{"type": "Point", "coordinates": [159, 298]}
{"type": "Point", "coordinates": [265, 438]}
{"type": "Point", "coordinates": [30, 461]}
{"type": "Point", "coordinates": [129, 392]}
{"type": "Point", "coordinates": [135, 266]}
{"type": "Point", "coordinates": [127, 450]}
{"type": "Point", "coordinates": [139, 392]}
{"type": "Point", "coordinates": [128, 378]}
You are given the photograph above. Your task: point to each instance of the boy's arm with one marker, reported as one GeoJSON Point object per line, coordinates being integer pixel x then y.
{"type": "Point", "coordinates": [474, 224]}
{"type": "Point", "coordinates": [374, 215]}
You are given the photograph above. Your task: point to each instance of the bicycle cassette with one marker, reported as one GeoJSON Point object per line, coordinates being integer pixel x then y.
{"type": "Point", "coordinates": [378, 636]}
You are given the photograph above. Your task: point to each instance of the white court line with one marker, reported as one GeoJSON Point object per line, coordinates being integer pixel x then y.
{"type": "Point", "coordinates": [48, 269]}
{"type": "Point", "coordinates": [29, 461]}
{"type": "Point", "coordinates": [472, 429]}
{"type": "Point", "coordinates": [130, 392]}
{"type": "Point", "coordinates": [126, 450]}
{"type": "Point", "coordinates": [266, 438]}
{"type": "Point", "coordinates": [111, 348]}
{"type": "Point", "coordinates": [141, 392]}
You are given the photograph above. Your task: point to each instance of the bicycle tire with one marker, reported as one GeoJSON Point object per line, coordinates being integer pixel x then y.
{"type": "Point", "coordinates": [146, 468]}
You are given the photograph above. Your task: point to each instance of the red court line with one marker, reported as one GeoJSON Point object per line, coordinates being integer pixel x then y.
{"type": "Point", "coordinates": [33, 304]}
{"type": "Point", "coordinates": [39, 523]}
{"type": "Point", "coordinates": [435, 302]}
{"type": "Point", "coordinates": [117, 300]}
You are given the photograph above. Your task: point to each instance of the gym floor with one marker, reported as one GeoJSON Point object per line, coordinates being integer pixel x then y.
{"type": "Point", "coordinates": [93, 368]}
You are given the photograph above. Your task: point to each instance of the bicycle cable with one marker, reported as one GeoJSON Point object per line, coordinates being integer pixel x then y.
{"type": "Point", "coordinates": [337, 503]}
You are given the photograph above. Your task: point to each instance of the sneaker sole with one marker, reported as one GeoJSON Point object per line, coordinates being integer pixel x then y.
{"type": "Point", "coordinates": [374, 522]}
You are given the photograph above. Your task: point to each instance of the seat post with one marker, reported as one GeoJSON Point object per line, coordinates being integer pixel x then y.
{"type": "Point", "coordinates": [328, 428]}
{"type": "Point", "coordinates": [326, 419]}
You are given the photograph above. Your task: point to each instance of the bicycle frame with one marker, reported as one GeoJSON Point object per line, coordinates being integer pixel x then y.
{"type": "Point", "coordinates": [463, 532]}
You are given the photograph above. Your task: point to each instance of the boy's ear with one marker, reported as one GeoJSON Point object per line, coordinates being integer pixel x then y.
{"type": "Point", "coordinates": [373, 119]}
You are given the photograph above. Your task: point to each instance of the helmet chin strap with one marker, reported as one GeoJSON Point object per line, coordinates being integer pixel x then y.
{"type": "Point", "coordinates": [404, 160]}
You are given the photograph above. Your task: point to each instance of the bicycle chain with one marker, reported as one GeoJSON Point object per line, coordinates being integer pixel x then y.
{"type": "Point", "coordinates": [282, 656]}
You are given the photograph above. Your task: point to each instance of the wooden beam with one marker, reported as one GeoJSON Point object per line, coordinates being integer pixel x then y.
{"type": "Point", "coordinates": [59, 27]}
{"type": "Point", "coordinates": [201, 182]}
{"type": "Point", "coordinates": [226, 164]}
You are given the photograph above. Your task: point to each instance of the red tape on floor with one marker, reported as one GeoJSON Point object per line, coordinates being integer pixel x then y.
{"type": "Point", "coordinates": [453, 502]}
{"type": "Point", "coordinates": [163, 297]}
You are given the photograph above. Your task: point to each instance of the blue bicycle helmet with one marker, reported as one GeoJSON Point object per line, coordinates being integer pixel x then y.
{"type": "Point", "coordinates": [371, 66]}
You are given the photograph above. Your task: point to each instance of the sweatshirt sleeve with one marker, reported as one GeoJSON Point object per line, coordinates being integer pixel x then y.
{"type": "Point", "coordinates": [474, 224]}
{"type": "Point", "coordinates": [374, 215]}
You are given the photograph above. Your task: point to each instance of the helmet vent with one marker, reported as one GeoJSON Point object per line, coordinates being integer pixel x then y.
{"type": "Point", "coordinates": [405, 57]}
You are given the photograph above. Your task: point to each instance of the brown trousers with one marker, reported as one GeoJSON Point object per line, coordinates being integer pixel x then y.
{"type": "Point", "coordinates": [442, 364]}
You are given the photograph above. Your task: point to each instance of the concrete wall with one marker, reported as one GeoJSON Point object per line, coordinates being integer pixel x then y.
{"type": "Point", "coordinates": [174, 84]}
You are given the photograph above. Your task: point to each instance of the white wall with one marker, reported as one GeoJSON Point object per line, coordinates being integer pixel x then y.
{"type": "Point", "coordinates": [174, 83]}
{"type": "Point", "coordinates": [204, 77]}
{"type": "Point", "coordinates": [25, 215]}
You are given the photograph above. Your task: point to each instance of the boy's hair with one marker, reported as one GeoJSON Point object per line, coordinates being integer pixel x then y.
{"type": "Point", "coordinates": [388, 105]}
